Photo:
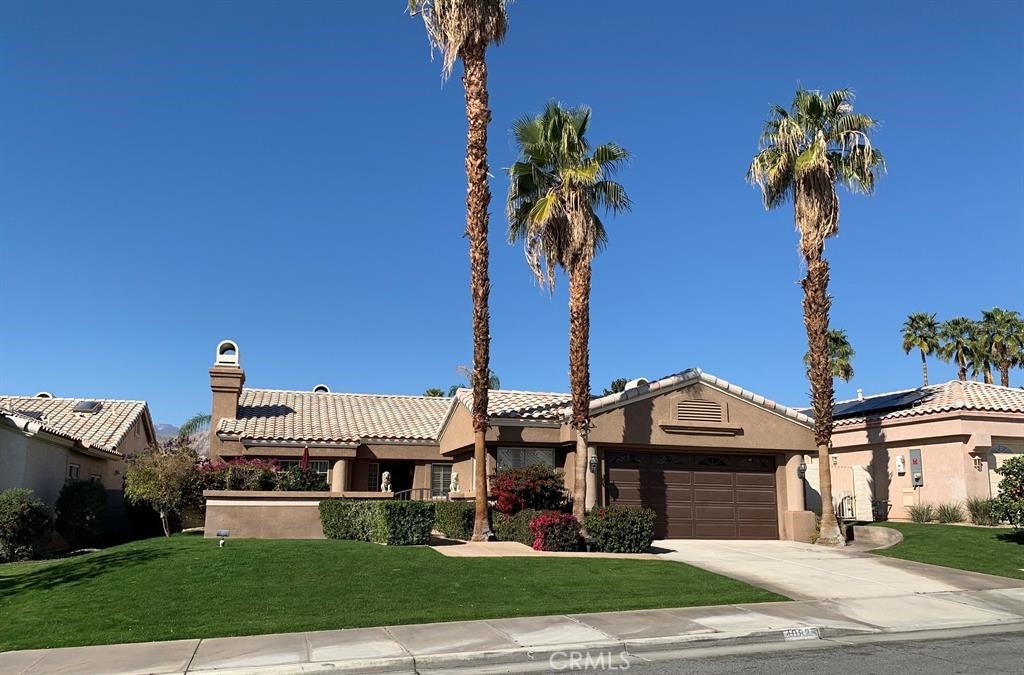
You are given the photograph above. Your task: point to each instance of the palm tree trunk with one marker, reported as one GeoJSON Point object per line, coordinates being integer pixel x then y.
{"type": "Point", "coordinates": [1004, 374]}
{"type": "Point", "coordinates": [961, 363]}
{"type": "Point", "coordinates": [816, 310]}
{"type": "Point", "coordinates": [924, 367]}
{"type": "Point", "coordinates": [579, 377]}
{"type": "Point", "coordinates": [988, 374]}
{"type": "Point", "coordinates": [478, 199]}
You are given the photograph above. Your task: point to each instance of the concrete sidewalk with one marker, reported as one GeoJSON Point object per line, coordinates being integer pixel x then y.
{"type": "Point", "coordinates": [525, 641]}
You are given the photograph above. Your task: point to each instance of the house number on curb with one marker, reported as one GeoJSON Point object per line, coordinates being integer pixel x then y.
{"type": "Point", "coordinates": [809, 633]}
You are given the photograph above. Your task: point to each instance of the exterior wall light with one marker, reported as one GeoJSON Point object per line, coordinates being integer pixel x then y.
{"type": "Point", "coordinates": [977, 463]}
{"type": "Point", "coordinates": [801, 470]}
{"type": "Point", "coordinates": [592, 463]}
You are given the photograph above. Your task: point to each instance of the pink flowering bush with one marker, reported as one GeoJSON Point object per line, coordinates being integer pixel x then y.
{"type": "Point", "coordinates": [555, 531]}
{"type": "Point", "coordinates": [240, 474]}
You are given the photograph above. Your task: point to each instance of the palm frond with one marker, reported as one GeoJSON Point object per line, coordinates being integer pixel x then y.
{"type": "Point", "coordinates": [452, 25]}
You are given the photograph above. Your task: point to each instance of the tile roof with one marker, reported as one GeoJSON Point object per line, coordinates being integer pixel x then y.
{"type": "Point", "coordinates": [270, 414]}
{"type": "Point", "coordinates": [102, 430]}
{"type": "Point", "coordinates": [510, 403]}
{"type": "Point", "coordinates": [936, 398]}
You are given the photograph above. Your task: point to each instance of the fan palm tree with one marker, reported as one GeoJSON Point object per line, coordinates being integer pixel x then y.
{"type": "Point", "coordinates": [804, 152]}
{"type": "Point", "coordinates": [840, 355]}
{"type": "Point", "coordinates": [1004, 335]}
{"type": "Point", "coordinates": [192, 426]}
{"type": "Point", "coordinates": [463, 30]}
{"type": "Point", "coordinates": [434, 392]}
{"type": "Point", "coordinates": [921, 332]}
{"type": "Point", "coordinates": [979, 356]}
{"type": "Point", "coordinates": [493, 382]}
{"type": "Point", "coordinates": [557, 187]}
{"type": "Point", "coordinates": [956, 337]}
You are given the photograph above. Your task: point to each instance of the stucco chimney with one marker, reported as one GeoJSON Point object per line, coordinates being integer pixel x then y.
{"type": "Point", "coordinates": [226, 380]}
{"type": "Point", "coordinates": [860, 394]}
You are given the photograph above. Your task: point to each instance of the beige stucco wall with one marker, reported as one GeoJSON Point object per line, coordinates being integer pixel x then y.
{"type": "Point", "coordinates": [270, 515]}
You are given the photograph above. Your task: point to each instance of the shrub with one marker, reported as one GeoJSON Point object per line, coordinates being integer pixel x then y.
{"type": "Point", "coordinates": [555, 531]}
{"type": "Point", "coordinates": [297, 479]}
{"type": "Point", "coordinates": [1010, 503]}
{"type": "Point", "coordinates": [81, 512]}
{"type": "Point", "coordinates": [621, 529]}
{"type": "Point", "coordinates": [982, 511]}
{"type": "Point", "coordinates": [515, 527]}
{"type": "Point", "coordinates": [922, 513]}
{"type": "Point", "coordinates": [382, 521]}
{"type": "Point", "coordinates": [950, 513]}
{"type": "Point", "coordinates": [532, 487]}
{"type": "Point", "coordinates": [24, 521]}
{"type": "Point", "coordinates": [455, 519]}
{"type": "Point", "coordinates": [241, 474]}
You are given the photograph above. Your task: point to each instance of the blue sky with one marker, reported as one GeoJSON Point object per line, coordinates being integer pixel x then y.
{"type": "Point", "coordinates": [290, 175]}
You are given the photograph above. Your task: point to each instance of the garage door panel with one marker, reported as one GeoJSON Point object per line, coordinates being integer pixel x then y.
{"type": "Point", "coordinates": [702, 495]}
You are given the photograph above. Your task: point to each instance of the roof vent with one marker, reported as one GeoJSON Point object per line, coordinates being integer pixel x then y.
{"type": "Point", "coordinates": [696, 410]}
{"type": "Point", "coordinates": [321, 389]}
{"type": "Point", "coordinates": [90, 407]}
{"type": "Point", "coordinates": [227, 354]}
{"type": "Point", "coordinates": [636, 383]}
{"type": "Point", "coordinates": [860, 394]}
{"type": "Point", "coordinates": [44, 394]}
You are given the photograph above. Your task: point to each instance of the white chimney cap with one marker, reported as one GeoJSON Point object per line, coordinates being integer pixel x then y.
{"type": "Point", "coordinates": [321, 389]}
{"type": "Point", "coordinates": [860, 394]}
{"type": "Point", "coordinates": [227, 353]}
{"type": "Point", "coordinates": [43, 394]}
{"type": "Point", "coordinates": [636, 383]}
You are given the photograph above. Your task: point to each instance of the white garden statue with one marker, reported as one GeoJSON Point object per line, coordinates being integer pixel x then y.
{"type": "Point", "coordinates": [385, 482]}
{"type": "Point", "coordinates": [453, 486]}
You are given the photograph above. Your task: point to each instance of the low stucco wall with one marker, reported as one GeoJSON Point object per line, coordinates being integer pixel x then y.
{"type": "Point", "coordinates": [271, 515]}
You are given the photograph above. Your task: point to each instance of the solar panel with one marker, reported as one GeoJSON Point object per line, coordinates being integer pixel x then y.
{"type": "Point", "coordinates": [34, 414]}
{"type": "Point", "coordinates": [87, 407]}
{"type": "Point", "coordinates": [878, 404]}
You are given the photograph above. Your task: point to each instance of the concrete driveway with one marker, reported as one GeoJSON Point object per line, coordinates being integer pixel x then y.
{"type": "Point", "coordinates": [809, 572]}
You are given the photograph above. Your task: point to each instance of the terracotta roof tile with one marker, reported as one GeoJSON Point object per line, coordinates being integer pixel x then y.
{"type": "Point", "coordinates": [103, 430]}
{"type": "Point", "coordinates": [945, 397]}
{"type": "Point", "coordinates": [509, 403]}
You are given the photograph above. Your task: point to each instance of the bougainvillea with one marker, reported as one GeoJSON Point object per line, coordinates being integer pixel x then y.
{"type": "Point", "coordinates": [555, 531]}
{"type": "Point", "coordinates": [532, 487]}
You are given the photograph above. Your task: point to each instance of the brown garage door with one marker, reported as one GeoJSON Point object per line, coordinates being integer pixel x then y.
{"type": "Point", "coordinates": [698, 495]}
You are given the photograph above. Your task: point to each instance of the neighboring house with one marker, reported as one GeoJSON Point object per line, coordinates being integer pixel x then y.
{"type": "Point", "coordinates": [46, 441]}
{"type": "Point", "coordinates": [712, 459]}
{"type": "Point", "coordinates": [960, 432]}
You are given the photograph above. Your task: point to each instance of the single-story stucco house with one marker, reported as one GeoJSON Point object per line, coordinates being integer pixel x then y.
{"type": "Point", "coordinates": [929, 445]}
{"type": "Point", "coordinates": [711, 458]}
{"type": "Point", "coordinates": [46, 441]}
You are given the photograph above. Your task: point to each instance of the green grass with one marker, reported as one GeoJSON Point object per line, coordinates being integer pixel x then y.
{"type": "Point", "coordinates": [185, 587]}
{"type": "Point", "coordinates": [998, 551]}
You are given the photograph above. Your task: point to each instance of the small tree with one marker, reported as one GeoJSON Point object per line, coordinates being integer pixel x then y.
{"type": "Point", "coordinates": [24, 520]}
{"type": "Point", "coordinates": [1010, 503]}
{"type": "Point", "coordinates": [167, 481]}
{"type": "Point", "coordinates": [81, 512]}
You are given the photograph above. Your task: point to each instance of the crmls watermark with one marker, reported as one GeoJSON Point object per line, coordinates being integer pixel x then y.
{"type": "Point", "coordinates": [575, 661]}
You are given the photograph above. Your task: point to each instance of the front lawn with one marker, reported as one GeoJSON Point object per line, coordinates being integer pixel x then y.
{"type": "Point", "coordinates": [998, 551]}
{"type": "Point", "coordinates": [186, 587]}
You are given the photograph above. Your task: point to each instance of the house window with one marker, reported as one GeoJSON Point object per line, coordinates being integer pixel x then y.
{"type": "Point", "coordinates": [74, 471]}
{"type": "Point", "coordinates": [440, 479]}
{"type": "Point", "coordinates": [373, 477]}
{"type": "Point", "coordinates": [321, 466]}
{"type": "Point", "coordinates": [517, 458]}
{"type": "Point", "coordinates": [96, 477]}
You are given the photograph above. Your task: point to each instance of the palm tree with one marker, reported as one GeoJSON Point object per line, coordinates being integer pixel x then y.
{"type": "Point", "coordinates": [1004, 335]}
{"type": "Point", "coordinates": [921, 332]}
{"type": "Point", "coordinates": [979, 356]}
{"type": "Point", "coordinates": [557, 187]}
{"type": "Point", "coordinates": [462, 30]}
{"type": "Point", "coordinates": [493, 382]}
{"type": "Point", "coordinates": [192, 426]}
{"type": "Point", "coordinates": [840, 355]}
{"type": "Point", "coordinates": [956, 336]}
{"type": "Point", "coordinates": [804, 152]}
{"type": "Point", "coordinates": [434, 392]}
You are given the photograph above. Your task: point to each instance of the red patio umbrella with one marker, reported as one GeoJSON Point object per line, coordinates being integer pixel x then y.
{"type": "Point", "coordinates": [304, 464]}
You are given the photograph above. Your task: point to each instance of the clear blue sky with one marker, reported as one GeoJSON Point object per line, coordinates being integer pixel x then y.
{"type": "Point", "coordinates": [290, 175]}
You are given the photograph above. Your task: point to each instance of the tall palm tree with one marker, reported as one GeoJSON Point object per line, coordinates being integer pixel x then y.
{"type": "Point", "coordinates": [493, 381]}
{"type": "Point", "coordinates": [1004, 334]}
{"type": "Point", "coordinates": [434, 392]}
{"type": "Point", "coordinates": [463, 30]}
{"type": "Point", "coordinates": [192, 426]}
{"type": "Point", "coordinates": [840, 355]}
{"type": "Point", "coordinates": [557, 187]}
{"type": "Point", "coordinates": [979, 356]}
{"type": "Point", "coordinates": [956, 336]}
{"type": "Point", "coordinates": [804, 152]}
{"type": "Point", "coordinates": [921, 332]}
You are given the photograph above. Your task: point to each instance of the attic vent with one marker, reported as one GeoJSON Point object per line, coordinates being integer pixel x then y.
{"type": "Point", "coordinates": [321, 389]}
{"type": "Point", "coordinates": [44, 394]}
{"type": "Point", "coordinates": [698, 411]}
{"type": "Point", "coordinates": [90, 407]}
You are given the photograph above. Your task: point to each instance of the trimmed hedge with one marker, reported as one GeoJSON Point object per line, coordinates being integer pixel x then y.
{"type": "Point", "coordinates": [24, 521]}
{"type": "Point", "coordinates": [382, 521]}
{"type": "Point", "coordinates": [555, 531]}
{"type": "Point", "coordinates": [514, 528]}
{"type": "Point", "coordinates": [455, 519]}
{"type": "Point", "coordinates": [81, 512]}
{"type": "Point", "coordinates": [621, 529]}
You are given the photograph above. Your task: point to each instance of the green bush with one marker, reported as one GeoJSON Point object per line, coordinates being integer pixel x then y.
{"type": "Point", "coordinates": [982, 511]}
{"type": "Point", "coordinates": [515, 527]}
{"type": "Point", "coordinates": [382, 521]}
{"type": "Point", "coordinates": [922, 513]}
{"type": "Point", "coordinates": [81, 512]}
{"type": "Point", "coordinates": [297, 479]}
{"type": "Point", "coordinates": [621, 529]}
{"type": "Point", "coordinates": [455, 519]}
{"type": "Point", "coordinates": [24, 521]}
{"type": "Point", "coordinates": [950, 513]}
{"type": "Point", "coordinates": [555, 531]}
{"type": "Point", "coordinates": [1010, 503]}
